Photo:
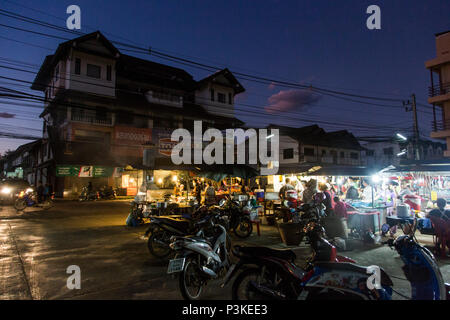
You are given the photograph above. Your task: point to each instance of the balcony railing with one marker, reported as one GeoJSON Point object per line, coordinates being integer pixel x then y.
{"type": "Point", "coordinates": [440, 125]}
{"type": "Point", "coordinates": [439, 89]}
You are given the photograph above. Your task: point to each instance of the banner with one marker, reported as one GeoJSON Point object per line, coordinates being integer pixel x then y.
{"type": "Point", "coordinates": [88, 171]}
{"type": "Point", "coordinates": [163, 142]}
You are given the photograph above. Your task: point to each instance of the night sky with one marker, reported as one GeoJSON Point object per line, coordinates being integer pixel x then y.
{"type": "Point", "coordinates": [323, 43]}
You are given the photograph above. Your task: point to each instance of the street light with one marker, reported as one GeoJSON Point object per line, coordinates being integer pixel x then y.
{"type": "Point", "coordinates": [270, 136]}
{"type": "Point", "coordinates": [402, 137]}
{"type": "Point", "coordinates": [403, 152]}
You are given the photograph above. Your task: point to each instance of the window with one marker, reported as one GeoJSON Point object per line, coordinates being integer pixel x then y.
{"type": "Point", "coordinates": [342, 155]}
{"type": "Point", "coordinates": [101, 113]}
{"type": "Point", "coordinates": [124, 117]}
{"type": "Point", "coordinates": [353, 155]}
{"type": "Point", "coordinates": [388, 151]}
{"type": "Point", "coordinates": [57, 72]}
{"type": "Point", "coordinates": [212, 94]}
{"type": "Point", "coordinates": [230, 98]}
{"type": "Point", "coordinates": [77, 66]}
{"type": "Point", "coordinates": [221, 97]}
{"type": "Point", "coordinates": [108, 73]}
{"type": "Point", "coordinates": [324, 153]}
{"type": "Point", "coordinates": [93, 71]}
{"type": "Point", "coordinates": [288, 153]}
{"type": "Point", "coordinates": [370, 153]}
{"type": "Point", "coordinates": [308, 151]}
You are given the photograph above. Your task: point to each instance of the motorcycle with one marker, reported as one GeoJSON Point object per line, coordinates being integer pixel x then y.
{"type": "Point", "coordinates": [279, 278]}
{"type": "Point", "coordinates": [200, 258]}
{"type": "Point", "coordinates": [106, 193]}
{"type": "Point", "coordinates": [238, 219]}
{"type": "Point", "coordinates": [162, 228]}
{"type": "Point", "coordinates": [29, 198]}
{"type": "Point", "coordinates": [87, 196]}
{"type": "Point", "coordinates": [278, 266]}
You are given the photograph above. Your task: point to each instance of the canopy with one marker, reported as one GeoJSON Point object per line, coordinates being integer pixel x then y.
{"type": "Point", "coordinates": [218, 172]}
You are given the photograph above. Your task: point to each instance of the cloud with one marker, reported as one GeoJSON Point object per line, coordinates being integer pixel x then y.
{"type": "Point", "coordinates": [288, 100]}
{"type": "Point", "coordinates": [7, 115]}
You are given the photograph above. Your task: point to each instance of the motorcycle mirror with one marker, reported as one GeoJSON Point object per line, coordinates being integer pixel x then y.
{"type": "Point", "coordinates": [222, 202]}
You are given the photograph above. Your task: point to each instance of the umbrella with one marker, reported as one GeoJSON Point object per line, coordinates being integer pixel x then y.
{"type": "Point", "coordinates": [218, 172]}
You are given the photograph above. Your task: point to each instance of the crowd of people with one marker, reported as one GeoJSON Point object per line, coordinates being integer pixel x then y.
{"type": "Point", "coordinates": [389, 193]}
{"type": "Point", "coordinates": [206, 191]}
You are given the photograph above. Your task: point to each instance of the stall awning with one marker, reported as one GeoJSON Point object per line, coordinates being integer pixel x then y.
{"type": "Point", "coordinates": [327, 170]}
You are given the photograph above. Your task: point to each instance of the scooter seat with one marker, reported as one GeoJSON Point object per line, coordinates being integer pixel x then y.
{"type": "Point", "coordinates": [178, 223]}
{"type": "Point", "coordinates": [285, 254]}
{"type": "Point", "coordinates": [385, 279]}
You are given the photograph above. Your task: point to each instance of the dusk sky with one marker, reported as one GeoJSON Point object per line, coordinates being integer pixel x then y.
{"type": "Point", "coordinates": [323, 43]}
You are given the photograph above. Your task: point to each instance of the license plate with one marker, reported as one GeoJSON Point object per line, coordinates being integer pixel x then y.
{"type": "Point", "coordinates": [176, 265]}
{"type": "Point", "coordinates": [229, 273]}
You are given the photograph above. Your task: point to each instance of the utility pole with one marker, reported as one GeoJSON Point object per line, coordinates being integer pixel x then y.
{"type": "Point", "coordinates": [412, 103]}
{"type": "Point", "coordinates": [416, 127]}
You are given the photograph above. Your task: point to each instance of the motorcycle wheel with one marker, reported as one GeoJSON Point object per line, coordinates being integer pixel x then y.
{"type": "Point", "coordinates": [20, 204]}
{"type": "Point", "coordinates": [157, 249]}
{"type": "Point", "coordinates": [240, 289]}
{"type": "Point", "coordinates": [244, 229]}
{"type": "Point", "coordinates": [190, 280]}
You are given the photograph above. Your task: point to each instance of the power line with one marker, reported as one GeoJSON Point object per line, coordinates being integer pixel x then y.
{"type": "Point", "coordinates": [202, 65]}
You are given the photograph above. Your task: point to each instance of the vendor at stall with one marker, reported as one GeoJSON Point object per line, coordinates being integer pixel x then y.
{"type": "Point", "coordinates": [210, 195]}
{"type": "Point", "coordinates": [351, 192]}
{"type": "Point", "coordinates": [369, 193]}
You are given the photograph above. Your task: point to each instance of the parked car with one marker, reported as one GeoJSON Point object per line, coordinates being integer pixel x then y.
{"type": "Point", "coordinates": [10, 188]}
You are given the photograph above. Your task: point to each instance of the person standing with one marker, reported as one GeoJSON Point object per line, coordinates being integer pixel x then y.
{"type": "Point", "coordinates": [210, 195]}
{"type": "Point", "coordinates": [40, 191]}
{"type": "Point", "coordinates": [327, 202]}
{"type": "Point", "coordinates": [287, 186]}
{"type": "Point", "coordinates": [310, 191]}
{"type": "Point", "coordinates": [340, 208]}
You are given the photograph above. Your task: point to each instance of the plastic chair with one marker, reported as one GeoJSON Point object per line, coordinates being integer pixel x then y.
{"type": "Point", "coordinates": [442, 229]}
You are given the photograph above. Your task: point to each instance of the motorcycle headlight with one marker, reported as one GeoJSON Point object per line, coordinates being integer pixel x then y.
{"type": "Point", "coordinates": [29, 190]}
{"type": "Point", "coordinates": [6, 190]}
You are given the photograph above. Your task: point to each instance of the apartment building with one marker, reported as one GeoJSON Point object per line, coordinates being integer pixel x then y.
{"type": "Point", "coordinates": [439, 90]}
{"type": "Point", "coordinates": [104, 108]}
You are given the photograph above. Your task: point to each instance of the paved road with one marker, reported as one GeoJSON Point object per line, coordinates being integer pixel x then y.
{"type": "Point", "coordinates": [38, 246]}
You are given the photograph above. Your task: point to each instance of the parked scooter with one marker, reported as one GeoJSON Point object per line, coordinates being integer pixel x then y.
{"type": "Point", "coordinates": [87, 196]}
{"type": "Point", "coordinates": [162, 228]}
{"type": "Point", "coordinates": [107, 193]}
{"type": "Point", "coordinates": [200, 258]}
{"type": "Point", "coordinates": [238, 218]}
{"type": "Point", "coordinates": [277, 277]}
{"type": "Point", "coordinates": [29, 198]}
{"type": "Point", "coordinates": [279, 265]}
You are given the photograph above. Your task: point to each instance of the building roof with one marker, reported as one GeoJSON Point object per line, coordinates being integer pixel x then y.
{"type": "Point", "coordinates": [441, 33]}
{"type": "Point", "coordinates": [231, 82]}
{"type": "Point", "coordinates": [315, 135]}
{"type": "Point", "coordinates": [136, 69]}
{"type": "Point", "coordinates": [45, 72]}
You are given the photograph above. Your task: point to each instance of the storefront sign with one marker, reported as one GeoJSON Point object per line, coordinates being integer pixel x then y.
{"type": "Point", "coordinates": [162, 140]}
{"type": "Point", "coordinates": [67, 171]}
{"type": "Point", "coordinates": [132, 136]}
{"type": "Point", "coordinates": [87, 171]}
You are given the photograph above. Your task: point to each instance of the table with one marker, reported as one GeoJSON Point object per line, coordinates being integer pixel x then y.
{"type": "Point", "coordinates": [368, 213]}
{"type": "Point", "coordinates": [394, 220]}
